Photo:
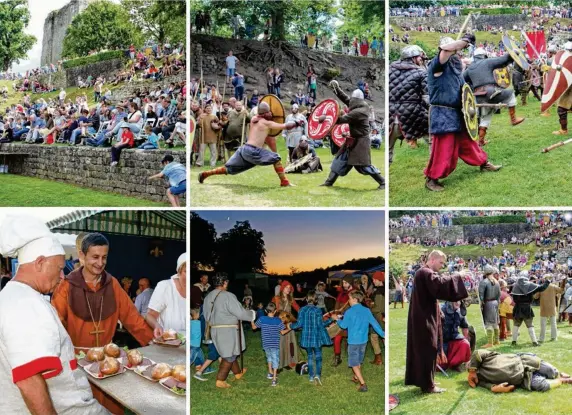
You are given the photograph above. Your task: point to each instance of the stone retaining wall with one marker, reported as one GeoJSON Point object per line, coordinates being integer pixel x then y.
{"type": "Point", "coordinates": [507, 21]}
{"type": "Point", "coordinates": [467, 232]}
{"type": "Point", "coordinates": [90, 167]}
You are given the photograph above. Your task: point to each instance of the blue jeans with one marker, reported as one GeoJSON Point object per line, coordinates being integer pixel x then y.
{"type": "Point", "coordinates": [239, 92]}
{"type": "Point", "coordinates": [273, 357]}
{"type": "Point", "coordinates": [77, 132]}
{"type": "Point", "coordinates": [98, 141]}
{"type": "Point", "coordinates": [133, 127]}
{"type": "Point", "coordinates": [197, 356]}
{"type": "Point", "coordinates": [314, 353]}
{"type": "Point", "coordinates": [277, 91]}
{"type": "Point", "coordinates": [147, 146]}
{"type": "Point", "coordinates": [180, 189]}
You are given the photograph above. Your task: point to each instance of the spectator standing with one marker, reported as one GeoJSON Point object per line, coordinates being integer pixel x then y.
{"type": "Point", "coordinates": [231, 62]}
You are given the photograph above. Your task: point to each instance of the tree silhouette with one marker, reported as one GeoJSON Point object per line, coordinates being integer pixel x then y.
{"type": "Point", "coordinates": [241, 249]}
{"type": "Point", "coordinates": [14, 42]}
{"type": "Point", "coordinates": [203, 243]}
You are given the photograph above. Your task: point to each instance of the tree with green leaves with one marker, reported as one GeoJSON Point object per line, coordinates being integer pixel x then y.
{"type": "Point", "coordinates": [241, 249]}
{"type": "Point", "coordinates": [203, 241]}
{"type": "Point", "coordinates": [102, 25]}
{"type": "Point", "coordinates": [14, 43]}
{"type": "Point", "coordinates": [161, 20]}
{"type": "Point", "coordinates": [289, 18]}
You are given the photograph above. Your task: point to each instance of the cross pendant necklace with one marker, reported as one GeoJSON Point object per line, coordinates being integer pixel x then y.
{"type": "Point", "coordinates": [95, 332]}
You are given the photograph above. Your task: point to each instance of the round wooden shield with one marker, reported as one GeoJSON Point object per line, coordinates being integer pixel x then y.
{"type": "Point", "coordinates": [558, 79]}
{"type": "Point", "coordinates": [515, 52]}
{"type": "Point", "coordinates": [470, 111]}
{"type": "Point", "coordinates": [338, 134]}
{"type": "Point", "coordinates": [502, 77]}
{"type": "Point", "coordinates": [277, 110]}
{"type": "Point", "coordinates": [393, 402]}
{"type": "Point", "coordinates": [331, 110]}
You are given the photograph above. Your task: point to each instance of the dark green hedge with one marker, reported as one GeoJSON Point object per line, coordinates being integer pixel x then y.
{"type": "Point", "coordinates": [100, 57]}
{"type": "Point", "coordinates": [500, 10]}
{"type": "Point", "coordinates": [484, 220]}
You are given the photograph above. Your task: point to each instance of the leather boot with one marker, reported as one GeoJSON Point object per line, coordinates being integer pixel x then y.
{"type": "Point", "coordinates": [377, 360]}
{"type": "Point", "coordinates": [330, 180]}
{"type": "Point", "coordinates": [236, 370]}
{"type": "Point", "coordinates": [482, 134]}
{"type": "Point", "coordinates": [488, 166]}
{"type": "Point", "coordinates": [563, 119]}
{"type": "Point", "coordinates": [337, 360]}
{"type": "Point", "coordinates": [380, 180]}
{"type": "Point", "coordinates": [433, 185]}
{"type": "Point", "coordinates": [514, 120]}
{"type": "Point", "coordinates": [222, 375]}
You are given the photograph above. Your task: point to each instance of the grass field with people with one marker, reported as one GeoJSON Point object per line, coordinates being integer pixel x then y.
{"type": "Point", "coordinates": [260, 186]}
{"type": "Point", "coordinates": [294, 394]}
{"type": "Point", "coordinates": [528, 177]}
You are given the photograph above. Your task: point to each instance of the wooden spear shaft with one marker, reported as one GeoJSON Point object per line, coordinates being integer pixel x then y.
{"type": "Point", "coordinates": [243, 124]}
{"type": "Point", "coordinates": [462, 31]}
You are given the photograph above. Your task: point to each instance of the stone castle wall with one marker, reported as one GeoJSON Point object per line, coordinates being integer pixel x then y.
{"type": "Point", "coordinates": [507, 21]}
{"type": "Point", "coordinates": [90, 167]}
{"type": "Point", "coordinates": [467, 232]}
{"type": "Point", "coordinates": [55, 27]}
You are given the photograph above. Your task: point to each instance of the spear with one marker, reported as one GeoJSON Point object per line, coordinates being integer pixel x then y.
{"type": "Point", "coordinates": [243, 124]}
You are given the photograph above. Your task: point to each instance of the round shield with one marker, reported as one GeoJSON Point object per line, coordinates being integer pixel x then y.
{"type": "Point", "coordinates": [558, 79]}
{"type": "Point", "coordinates": [470, 112]}
{"type": "Point", "coordinates": [277, 110]}
{"type": "Point", "coordinates": [515, 52]}
{"type": "Point", "coordinates": [192, 128]}
{"type": "Point", "coordinates": [338, 132]}
{"type": "Point", "coordinates": [393, 401]}
{"type": "Point", "coordinates": [331, 110]}
{"type": "Point", "coordinates": [502, 77]}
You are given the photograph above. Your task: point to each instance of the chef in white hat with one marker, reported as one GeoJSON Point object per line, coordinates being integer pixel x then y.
{"type": "Point", "coordinates": [38, 369]}
{"type": "Point", "coordinates": [167, 307]}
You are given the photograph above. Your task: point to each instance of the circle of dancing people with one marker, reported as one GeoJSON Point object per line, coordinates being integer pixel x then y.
{"type": "Point", "coordinates": [426, 99]}
{"type": "Point", "coordinates": [440, 337]}
{"type": "Point", "coordinates": [218, 321]}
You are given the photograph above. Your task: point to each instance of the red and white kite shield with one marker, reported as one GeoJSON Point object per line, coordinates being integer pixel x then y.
{"type": "Point", "coordinates": [331, 110]}
{"type": "Point", "coordinates": [558, 79]}
{"type": "Point", "coordinates": [338, 134]}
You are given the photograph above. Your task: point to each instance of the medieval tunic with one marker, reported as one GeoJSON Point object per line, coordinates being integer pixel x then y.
{"type": "Point", "coordinates": [222, 309]}
{"type": "Point", "coordinates": [524, 369]}
{"type": "Point", "coordinates": [33, 341]}
{"type": "Point", "coordinates": [489, 295]}
{"type": "Point", "coordinates": [450, 140]}
{"type": "Point", "coordinates": [523, 303]}
{"type": "Point", "coordinates": [69, 299]}
{"type": "Point", "coordinates": [288, 344]}
{"type": "Point", "coordinates": [422, 323]}
{"type": "Point", "coordinates": [208, 135]}
{"type": "Point", "coordinates": [455, 346]}
{"type": "Point", "coordinates": [293, 136]}
{"type": "Point", "coordinates": [235, 120]}
{"type": "Point", "coordinates": [548, 300]}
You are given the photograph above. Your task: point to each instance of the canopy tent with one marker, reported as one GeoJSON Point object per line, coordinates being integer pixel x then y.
{"type": "Point", "coordinates": [161, 224]}
{"type": "Point", "coordinates": [335, 277]}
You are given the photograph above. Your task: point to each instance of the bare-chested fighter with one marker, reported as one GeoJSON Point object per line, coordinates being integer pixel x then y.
{"type": "Point", "coordinates": [253, 152]}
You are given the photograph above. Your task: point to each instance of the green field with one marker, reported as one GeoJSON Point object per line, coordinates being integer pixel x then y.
{"type": "Point", "coordinates": [294, 395]}
{"type": "Point", "coordinates": [408, 254]}
{"type": "Point", "coordinates": [18, 190]}
{"type": "Point", "coordinates": [528, 177]}
{"type": "Point", "coordinates": [459, 397]}
{"type": "Point", "coordinates": [260, 186]}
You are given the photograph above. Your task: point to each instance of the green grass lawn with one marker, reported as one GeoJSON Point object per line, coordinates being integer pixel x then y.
{"type": "Point", "coordinates": [528, 178]}
{"type": "Point", "coordinates": [18, 190]}
{"type": "Point", "coordinates": [459, 397]}
{"type": "Point", "coordinates": [260, 186]}
{"type": "Point", "coordinates": [294, 395]}
{"type": "Point", "coordinates": [408, 254]}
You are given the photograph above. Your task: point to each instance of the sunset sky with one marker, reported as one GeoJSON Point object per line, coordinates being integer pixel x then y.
{"type": "Point", "coordinates": [309, 239]}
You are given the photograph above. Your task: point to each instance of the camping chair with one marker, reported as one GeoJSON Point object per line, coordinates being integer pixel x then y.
{"type": "Point", "coordinates": [142, 136]}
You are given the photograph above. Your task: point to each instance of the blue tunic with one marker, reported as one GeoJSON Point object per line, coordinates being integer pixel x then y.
{"type": "Point", "coordinates": [445, 114]}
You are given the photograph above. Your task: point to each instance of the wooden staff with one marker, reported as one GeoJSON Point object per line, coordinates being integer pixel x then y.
{"type": "Point", "coordinates": [461, 32]}
{"type": "Point", "coordinates": [553, 146]}
{"type": "Point", "coordinates": [223, 92]}
{"type": "Point", "coordinates": [243, 124]}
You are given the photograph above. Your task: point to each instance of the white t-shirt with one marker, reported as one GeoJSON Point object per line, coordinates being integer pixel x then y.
{"type": "Point", "coordinates": [167, 301]}
{"type": "Point", "coordinates": [33, 340]}
{"type": "Point", "coordinates": [63, 95]}
{"type": "Point", "coordinates": [231, 62]}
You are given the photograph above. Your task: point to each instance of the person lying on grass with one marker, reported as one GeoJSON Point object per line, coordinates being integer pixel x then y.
{"type": "Point", "coordinates": [503, 373]}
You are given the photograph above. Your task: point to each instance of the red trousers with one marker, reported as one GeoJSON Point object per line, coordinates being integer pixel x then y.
{"type": "Point", "coordinates": [458, 351]}
{"type": "Point", "coordinates": [338, 342]}
{"type": "Point", "coordinates": [446, 149]}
